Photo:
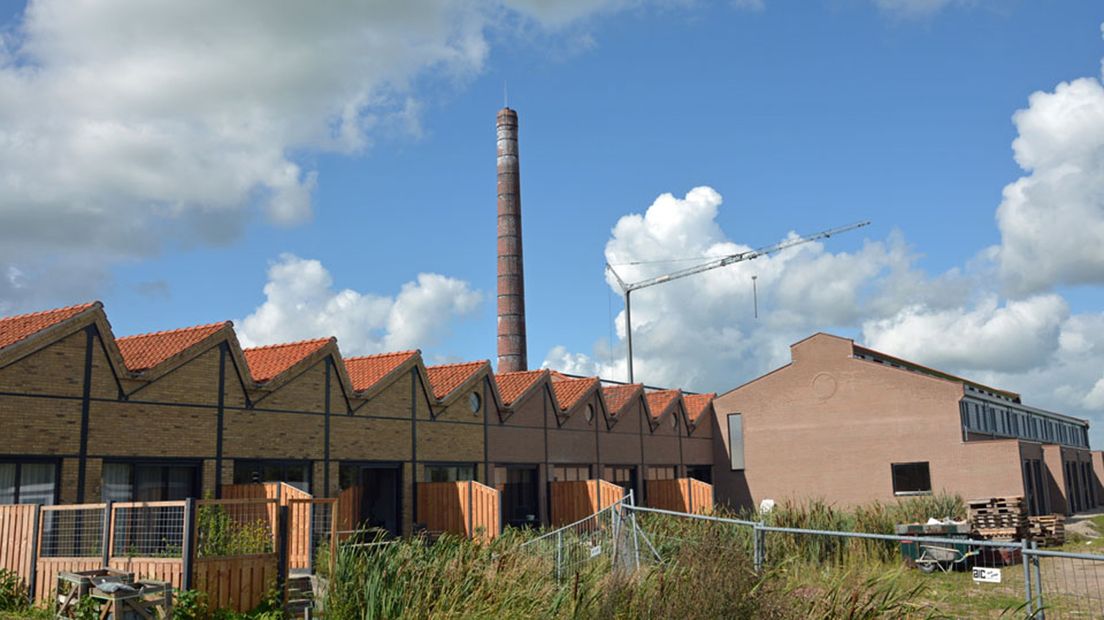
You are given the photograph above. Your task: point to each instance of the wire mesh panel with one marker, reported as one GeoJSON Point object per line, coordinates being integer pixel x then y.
{"type": "Point", "coordinates": [149, 529]}
{"type": "Point", "coordinates": [311, 524]}
{"type": "Point", "coordinates": [72, 531]}
{"type": "Point", "coordinates": [1069, 585]}
{"type": "Point", "coordinates": [601, 541]}
{"type": "Point", "coordinates": [227, 528]}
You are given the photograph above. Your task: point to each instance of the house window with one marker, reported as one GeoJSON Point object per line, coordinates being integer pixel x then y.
{"type": "Point", "coordinates": [660, 472]}
{"type": "Point", "coordinates": [149, 482]}
{"type": "Point", "coordinates": [28, 482]}
{"type": "Point", "coordinates": [294, 473]}
{"type": "Point", "coordinates": [701, 472]}
{"type": "Point", "coordinates": [570, 473]}
{"type": "Point", "coordinates": [589, 413]}
{"type": "Point", "coordinates": [625, 477]}
{"type": "Point", "coordinates": [911, 478]}
{"type": "Point", "coordinates": [736, 440]}
{"type": "Point", "coordinates": [458, 472]}
{"type": "Point", "coordinates": [474, 402]}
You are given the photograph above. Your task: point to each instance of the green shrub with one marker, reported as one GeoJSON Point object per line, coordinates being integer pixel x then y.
{"type": "Point", "coordinates": [13, 594]}
{"type": "Point", "coordinates": [223, 534]}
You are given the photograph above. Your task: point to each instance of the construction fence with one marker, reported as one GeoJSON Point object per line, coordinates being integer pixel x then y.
{"type": "Point", "coordinates": [623, 536]}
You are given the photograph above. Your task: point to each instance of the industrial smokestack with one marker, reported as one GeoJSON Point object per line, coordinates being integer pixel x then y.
{"type": "Point", "coordinates": [511, 274]}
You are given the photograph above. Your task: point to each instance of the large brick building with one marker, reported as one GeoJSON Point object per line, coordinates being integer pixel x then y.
{"type": "Point", "coordinates": [853, 425]}
{"type": "Point", "coordinates": [87, 417]}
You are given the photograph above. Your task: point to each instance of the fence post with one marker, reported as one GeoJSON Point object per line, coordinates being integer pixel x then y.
{"type": "Point", "coordinates": [757, 543]}
{"type": "Point", "coordinates": [471, 511]}
{"type": "Point", "coordinates": [108, 527]}
{"type": "Point", "coordinates": [32, 577]}
{"type": "Point", "coordinates": [189, 550]}
{"type": "Point", "coordinates": [559, 547]}
{"type": "Point", "coordinates": [1025, 558]}
{"type": "Point", "coordinates": [632, 517]}
{"type": "Point", "coordinates": [1039, 605]}
{"type": "Point", "coordinates": [282, 551]}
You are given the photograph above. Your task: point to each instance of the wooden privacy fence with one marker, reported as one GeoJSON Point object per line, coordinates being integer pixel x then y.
{"type": "Point", "coordinates": [236, 561]}
{"type": "Point", "coordinates": [680, 495]}
{"type": "Point", "coordinates": [312, 526]}
{"type": "Point", "coordinates": [465, 508]}
{"type": "Point", "coordinates": [575, 500]}
{"type": "Point", "coordinates": [148, 539]}
{"type": "Point", "coordinates": [70, 538]}
{"type": "Point", "coordinates": [18, 531]}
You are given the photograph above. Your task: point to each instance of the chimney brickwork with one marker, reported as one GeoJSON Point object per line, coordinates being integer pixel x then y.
{"type": "Point", "coordinates": [511, 275]}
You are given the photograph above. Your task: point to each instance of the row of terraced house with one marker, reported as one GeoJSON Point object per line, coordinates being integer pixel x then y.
{"type": "Point", "coordinates": [88, 417]}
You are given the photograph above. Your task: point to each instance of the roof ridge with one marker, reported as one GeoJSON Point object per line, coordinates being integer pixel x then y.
{"type": "Point", "coordinates": [379, 355]}
{"type": "Point", "coordinates": [455, 364]}
{"type": "Point", "coordinates": [178, 330]}
{"type": "Point", "coordinates": [80, 307]}
{"type": "Point", "coordinates": [291, 344]}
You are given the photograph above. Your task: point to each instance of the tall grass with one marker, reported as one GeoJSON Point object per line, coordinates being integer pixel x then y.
{"type": "Point", "coordinates": [705, 573]}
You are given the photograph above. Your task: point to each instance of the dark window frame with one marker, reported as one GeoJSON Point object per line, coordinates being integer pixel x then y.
{"type": "Point", "coordinates": [896, 477]}
{"type": "Point", "coordinates": [19, 461]}
{"type": "Point", "coordinates": [195, 464]}
{"type": "Point", "coordinates": [284, 463]}
{"type": "Point", "coordinates": [427, 465]}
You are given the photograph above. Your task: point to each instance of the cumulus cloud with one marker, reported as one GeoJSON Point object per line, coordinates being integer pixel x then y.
{"type": "Point", "coordinates": [955, 321]}
{"type": "Point", "coordinates": [302, 303]}
{"type": "Point", "coordinates": [1052, 220]}
{"type": "Point", "coordinates": [127, 125]}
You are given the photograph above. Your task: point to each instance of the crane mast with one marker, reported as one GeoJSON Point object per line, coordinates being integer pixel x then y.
{"type": "Point", "coordinates": [628, 287]}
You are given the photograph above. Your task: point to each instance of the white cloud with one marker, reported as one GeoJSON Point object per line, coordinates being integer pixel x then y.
{"type": "Point", "coordinates": [1014, 337]}
{"type": "Point", "coordinates": [127, 124]}
{"type": "Point", "coordinates": [1052, 220]}
{"type": "Point", "coordinates": [301, 303]}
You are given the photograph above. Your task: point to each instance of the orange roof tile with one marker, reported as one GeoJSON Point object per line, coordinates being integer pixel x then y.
{"type": "Point", "coordinates": [366, 371]}
{"type": "Point", "coordinates": [511, 385]}
{"type": "Point", "coordinates": [444, 378]}
{"type": "Point", "coordinates": [265, 363]}
{"type": "Point", "coordinates": [617, 396]}
{"type": "Point", "coordinates": [570, 391]}
{"type": "Point", "coordinates": [16, 328]}
{"type": "Point", "coordinates": [144, 351]}
{"type": "Point", "coordinates": [696, 404]}
{"type": "Point", "coordinates": [660, 400]}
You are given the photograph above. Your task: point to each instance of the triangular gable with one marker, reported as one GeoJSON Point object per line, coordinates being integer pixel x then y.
{"type": "Point", "coordinates": [660, 404]}
{"type": "Point", "coordinates": [619, 397]}
{"type": "Point", "coordinates": [517, 388]}
{"type": "Point", "coordinates": [449, 381]}
{"type": "Point", "coordinates": [368, 373]}
{"type": "Point", "coordinates": [696, 406]}
{"type": "Point", "coordinates": [570, 392]}
{"type": "Point", "coordinates": [144, 353]}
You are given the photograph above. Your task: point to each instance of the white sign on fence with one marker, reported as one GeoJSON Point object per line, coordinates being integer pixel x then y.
{"type": "Point", "coordinates": [596, 551]}
{"type": "Point", "coordinates": [987, 575]}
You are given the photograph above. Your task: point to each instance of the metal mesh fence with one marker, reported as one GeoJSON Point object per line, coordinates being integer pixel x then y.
{"type": "Point", "coordinates": [148, 530]}
{"type": "Point", "coordinates": [235, 527]}
{"type": "Point", "coordinates": [322, 530]}
{"type": "Point", "coordinates": [72, 532]}
{"type": "Point", "coordinates": [602, 541]}
{"type": "Point", "coordinates": [1068, 585]}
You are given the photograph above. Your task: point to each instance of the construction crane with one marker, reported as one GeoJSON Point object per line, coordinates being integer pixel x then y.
{"type": "Point", "coordinates": [628, 287]}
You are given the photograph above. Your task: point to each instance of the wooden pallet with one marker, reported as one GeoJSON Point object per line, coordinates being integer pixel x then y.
{"type": "Point", "coordinates": [1048, 530]}
{"type": "Point", "coordinates": [999, 518]}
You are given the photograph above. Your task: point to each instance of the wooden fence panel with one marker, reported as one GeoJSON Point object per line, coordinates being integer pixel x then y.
{"type": "Point", "coordinates": [607, 494]}
{"type": "Point", "coordinates": [48, 569]}
{"type": "Point", "coordinates": [238, 583]}
{"type": "Point", "coordinates": [680, 495]}
{"type": "Point", "coordinates": [17, 527]}
{"type": "Point", "coordinates": [311, 524]}
{"type": "Point", "coordinates": [161, 569]}
{"type": "Point", "coordinates": [461, 508]}
{"type": "Point", "coordinates": [348, 510]}
{"type": "Point", "coordinates": [575, 500]}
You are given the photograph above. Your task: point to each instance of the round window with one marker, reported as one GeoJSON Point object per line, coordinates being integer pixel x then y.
{"type": "Point", "coordinates": [474, 402]}
{"type": "Point", "coordinates": [674, 421]}
{"type": "Point", "coordinates": [589, 413]}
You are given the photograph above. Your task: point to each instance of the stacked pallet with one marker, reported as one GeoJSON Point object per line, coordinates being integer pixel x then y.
{"type": "Point", "coordinates": [1048, 530]}
{"type": "Point", "coordinates": [999, 518]}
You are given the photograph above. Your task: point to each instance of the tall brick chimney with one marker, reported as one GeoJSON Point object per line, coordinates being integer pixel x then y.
{"type": "Point", "coordinates": [511, 274]}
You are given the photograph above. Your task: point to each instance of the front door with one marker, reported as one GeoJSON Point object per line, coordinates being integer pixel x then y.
{"type": "Point", "coordinates": [520, 496]}
{"type": "Point", "coordinates": [381, 504]}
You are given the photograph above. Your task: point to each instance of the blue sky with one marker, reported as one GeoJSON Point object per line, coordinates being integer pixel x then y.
{"type": "Point", "coordinates": [803, 116]}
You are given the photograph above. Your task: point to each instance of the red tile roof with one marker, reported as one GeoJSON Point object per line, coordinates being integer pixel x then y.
{"type": "Point", "coordinates": [617, 396]}
{"type": "Point", "coordinates": [444, 378]}
{"type": "Point", "coordinates": [366, 371]}
{"type": "Point", "coordinates": [265, 363]}
{"type": "Point", "coordinates": [697, 404]}
{"type": "Point", "coordinates": [16, 328]}
{"type": "Point", "coordinates": [511, 385]}
{"type": "Point", "coordinates": [570, 391]}
{"type": "Point", "coordinates": [660, 400]}
{"type": "Point", "coordinates": [144, 351]}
